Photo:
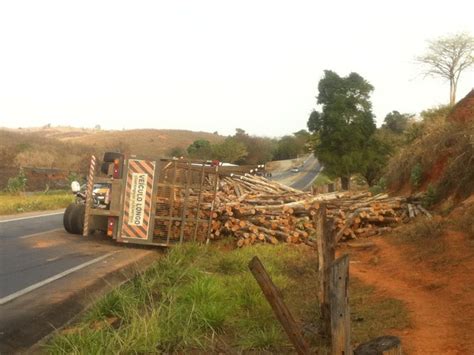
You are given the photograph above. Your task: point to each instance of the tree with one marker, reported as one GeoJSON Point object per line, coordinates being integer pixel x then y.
{"type": "Point", "coordinates": [344, 126]}
{"type": "Point", "coordinates": [229, 151]}
{"type": "Point", "coordinates": [396, 122]}
{"type": "Point", "coordinates": [200, 149]}
{"type": "Point", "coordinates": [286, 148]}
{"type": "Point", "coordinates": [376, 154]}
{"type": "Point", "coordinates": [447, 57]}
{"type": "Point", "coordinates": [260, 149]}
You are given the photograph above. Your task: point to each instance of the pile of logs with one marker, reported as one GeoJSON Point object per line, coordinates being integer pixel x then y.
{"type": "Point", "coordinates": [253, 209]}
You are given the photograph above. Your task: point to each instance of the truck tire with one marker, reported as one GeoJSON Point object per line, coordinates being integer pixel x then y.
{"type": "Point", "coordinates": [77, 219]}
{"type": "Point", "coordinates": [67, 218]}
{"type": "Point", "coordinates": [109, 157]}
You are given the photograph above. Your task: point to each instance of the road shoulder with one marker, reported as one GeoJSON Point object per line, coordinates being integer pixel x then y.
{"type": "Point", "coordinates": [32, 317]}
{"type": "Point", "coordinates": [25, 215]}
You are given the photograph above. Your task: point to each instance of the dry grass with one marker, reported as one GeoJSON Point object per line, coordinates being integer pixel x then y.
{"type": "Point", "coordinates": [70, 148]}
{"type": "Point", "coordinates": [444, 151]}
{"type": "Point", "coordinates": [426, 243]}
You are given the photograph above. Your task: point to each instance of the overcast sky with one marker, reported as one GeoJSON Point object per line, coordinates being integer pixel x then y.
{"type": "Point", "coordinates": [213, 65]}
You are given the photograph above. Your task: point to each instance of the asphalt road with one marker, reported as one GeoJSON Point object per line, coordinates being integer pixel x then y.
{"type": "Point", "coordinates": [48, 275]}
{"type": "Point", "coordinates": [303, 179]}
{"type": "Point", "coordinates": [24, 261]}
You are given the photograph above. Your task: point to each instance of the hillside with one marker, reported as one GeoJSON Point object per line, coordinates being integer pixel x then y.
{"type": "Point", "coordinates": [149, 142]}
{"type": "Point", "coordinates": [440, 160]}
{"type": "Point", "coordinates": [69, 148]}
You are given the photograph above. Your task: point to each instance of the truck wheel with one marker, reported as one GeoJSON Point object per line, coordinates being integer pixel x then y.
{"type": "Point", "coordinates": [67, 218]}
{"type": "Point", "coordinates": [109, 157]}
{"type": "Point", "coordinates": [77, 219]}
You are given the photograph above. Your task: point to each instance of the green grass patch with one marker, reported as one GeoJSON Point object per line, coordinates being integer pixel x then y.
{"type": "Point", "coordinates": [204, 298]}
{"type": "Point", "coordinates": [17, 203]}
{"type": "Point", "coordinates": [322, 179]}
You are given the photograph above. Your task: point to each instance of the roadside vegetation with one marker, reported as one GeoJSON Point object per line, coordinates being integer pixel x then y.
{"type": "Point", "coordinates": [11, 203]}
{"type": "Point", "coordinates": [204, 298]}
{"type": "Point", "coordinates": [245, 149]}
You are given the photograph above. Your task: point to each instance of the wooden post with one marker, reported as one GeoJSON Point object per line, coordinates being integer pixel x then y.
{"type": "Point", "coordinates": [339, 301]}
{"type": "Point", "coordinates": [282, 312]}
{"type": "Point", "coordinates": [326, 255]}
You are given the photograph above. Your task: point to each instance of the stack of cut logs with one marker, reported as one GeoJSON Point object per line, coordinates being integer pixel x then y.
{"type": "Point", "coordinates": [253, 209]}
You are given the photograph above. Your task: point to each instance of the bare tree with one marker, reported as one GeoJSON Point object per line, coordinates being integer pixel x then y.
{"type": "Point", "coordinates": [447, 57]}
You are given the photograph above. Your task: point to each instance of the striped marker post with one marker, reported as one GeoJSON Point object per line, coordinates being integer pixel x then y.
{"type": "Point", "coordinates": [89, 200]}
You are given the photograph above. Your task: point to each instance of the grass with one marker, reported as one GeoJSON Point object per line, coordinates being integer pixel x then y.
{"type": "Point", "coordinates": [204, 299]}
{"type": "Point", "coordinates": [322, 179]}
{"type": "Point", "coordinates": [17, 203]}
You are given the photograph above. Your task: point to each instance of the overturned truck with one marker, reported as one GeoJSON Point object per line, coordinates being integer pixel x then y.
{"type": "Point", "coordinates": [156, 202]}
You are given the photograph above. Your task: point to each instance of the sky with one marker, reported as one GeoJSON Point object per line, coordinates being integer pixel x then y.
{"type": "Point", "coordinates": [213, 65]}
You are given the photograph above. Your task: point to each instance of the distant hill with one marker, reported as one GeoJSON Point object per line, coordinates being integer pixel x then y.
{"type": "Point", "coordinates": [69, 148]}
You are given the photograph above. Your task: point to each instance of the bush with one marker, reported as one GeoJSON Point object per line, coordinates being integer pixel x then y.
{"type": "Point", "coordinates": [416, 175]}
{"type": "Point", "coordinates": [379, 187]}
{"type": "Point", "coordinates": [431, 196]}
{"type": "Point", "coordinates": [18, 183]}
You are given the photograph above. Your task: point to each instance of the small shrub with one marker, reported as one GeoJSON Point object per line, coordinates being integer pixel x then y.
{"type": "Point", "coordinates": [416, 175]}
{"type": "Point", "coordinates": [18, 183]}
{"type": "Point", "coordinates": [431, 196]}
{"type": "Point", "coordinates": [379, 187]}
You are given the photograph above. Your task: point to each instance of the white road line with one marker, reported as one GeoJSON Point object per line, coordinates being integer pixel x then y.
{"type": "Point", "coordinates": [28, 289]}
{"type": "Point", "coordinates": [36, 234]}
{"type": "Point", "coordinates": [29, 217]}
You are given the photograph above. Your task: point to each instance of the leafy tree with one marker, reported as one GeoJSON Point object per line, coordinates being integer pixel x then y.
{"type": "Point", "coordinates": [259, 149]}
{"type": "Point", "coordinates": [377, 153]}
{"type": "Point", "coordinates": [396, 122]}
{"type": "Point", "coordinates": [344, 126]}
{"type": "Point", "coordinates": [286, 148]}
{"type": "Point", "coordinates": [447, 57]}
{"type": "Point", "coordinates": [229, 151]}
{"type": "Point", "coordinates": [200, 149]}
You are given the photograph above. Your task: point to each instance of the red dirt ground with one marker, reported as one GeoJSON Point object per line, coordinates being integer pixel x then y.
{"type": "Point", "coordinates": [440, 303]}
{"type": "Point", "coordinates": [464, 109]}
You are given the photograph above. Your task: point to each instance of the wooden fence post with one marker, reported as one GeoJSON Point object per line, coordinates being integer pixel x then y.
{"type": "Point", "coordinates": [279, 307]}
{"type": "Point", "coordinates": [339, 307]}
{"type": "Point", "coordinates": [326, 255]}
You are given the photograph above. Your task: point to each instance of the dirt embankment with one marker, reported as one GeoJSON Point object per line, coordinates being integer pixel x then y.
{"type": "Point", "coordinates": [437, 288]}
